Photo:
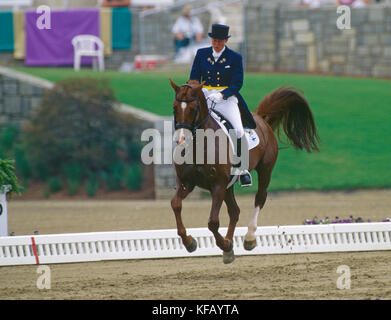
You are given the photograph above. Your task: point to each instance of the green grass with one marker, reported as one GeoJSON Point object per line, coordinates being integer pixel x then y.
{"type": "Point", "coordinates": [353, 116]}
{"type": "Point", "coordinates": [148, 91]}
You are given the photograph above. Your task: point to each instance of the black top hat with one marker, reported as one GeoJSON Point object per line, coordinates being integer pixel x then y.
{"type": "Point", "coordinates": [219, 31]}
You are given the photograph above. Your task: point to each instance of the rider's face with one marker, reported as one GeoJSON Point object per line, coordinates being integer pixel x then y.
{"type": "Point", "coordinates": [218, 44]}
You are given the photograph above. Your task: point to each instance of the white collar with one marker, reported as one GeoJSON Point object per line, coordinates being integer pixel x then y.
{"type": "Point", "coordinates": [217, 55]}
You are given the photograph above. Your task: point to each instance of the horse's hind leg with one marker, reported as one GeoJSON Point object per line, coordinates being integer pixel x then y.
{"type": "Point", "coordinates": [176, 204]}
{"type": "Point", "coordinates": [264, 175]}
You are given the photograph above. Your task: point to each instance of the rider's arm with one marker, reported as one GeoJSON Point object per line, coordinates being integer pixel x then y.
{"type": "Point", "coordinates": [195, 73]}
{"type": "Point", "coordinates": [237, 77]}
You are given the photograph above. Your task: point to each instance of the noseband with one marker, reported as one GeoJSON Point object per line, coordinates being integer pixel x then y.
{"type": "Point", "coordinates": [193, 126]}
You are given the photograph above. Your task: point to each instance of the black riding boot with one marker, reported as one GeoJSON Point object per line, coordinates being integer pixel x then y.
{"type": "Point", "coordinates": [245, 177]}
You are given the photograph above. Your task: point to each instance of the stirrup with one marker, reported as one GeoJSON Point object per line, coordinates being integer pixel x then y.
{"type": "Point", "coordinates": [246, 179]}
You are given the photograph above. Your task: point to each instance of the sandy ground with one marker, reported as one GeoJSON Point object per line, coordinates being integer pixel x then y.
{"type": "Point", "coordinates": [296, 276]}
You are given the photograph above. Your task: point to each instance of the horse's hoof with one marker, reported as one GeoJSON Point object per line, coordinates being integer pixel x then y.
{"type": "Point", "coordinates": [192, 246]}
{"type": "Point", "coordinates": [249, 244]}
{"type": "Point", "coordinates": [228, 257]}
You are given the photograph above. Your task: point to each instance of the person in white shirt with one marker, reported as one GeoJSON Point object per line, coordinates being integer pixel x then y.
{"type": "Point", "coordinates": [186, 29]}
{"type": "Point", "coordinates": [313, 4]}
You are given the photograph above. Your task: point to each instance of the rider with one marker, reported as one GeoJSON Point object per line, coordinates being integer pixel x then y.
{"type": "Point", "coordinates": [222, 70]}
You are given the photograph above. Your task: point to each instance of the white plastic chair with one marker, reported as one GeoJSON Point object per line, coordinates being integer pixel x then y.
{"type": "Point", "coordinates": [90, 46]}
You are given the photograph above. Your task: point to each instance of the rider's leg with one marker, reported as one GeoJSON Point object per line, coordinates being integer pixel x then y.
{"type": "Point", "coordinates": [241, 167]}
{"type": "Point", "coordinates": [229, 108]}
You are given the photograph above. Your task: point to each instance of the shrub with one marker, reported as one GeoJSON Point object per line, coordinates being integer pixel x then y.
{"type": "Point", "coordinates": [8, 177]}
{"type": "Point", "coordinates": [73, 172]}
{"type": "Point", "coordinates": [21, 163]}
{"type": "Point", "coordinates": [113, 178]}
{"type": "Point", "coordinates": [76, 123]}
{"type": "Point", "coordinates": [134, 177]}
{"type": "Point", "coordinates": [134, 152]}
{"type": "Point", "coordinates": [54, 184]}
{"type": "Point", "coordinates": [12, 147]}
{"type": "Point", "coordinates": [73, 187]}
{"type": "Point", "coordinates": [8, 136]}
{"type": "Point", "coordinates": [92, 184]}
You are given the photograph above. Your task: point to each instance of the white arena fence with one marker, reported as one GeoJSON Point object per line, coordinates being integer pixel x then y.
{"type": "Point", "coordinates": [150, 244]}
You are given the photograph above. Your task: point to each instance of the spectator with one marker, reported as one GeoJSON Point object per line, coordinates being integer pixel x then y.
{"type": "Point", "coordinates": [313, 4]}
{"type": "Point", "coordinates": [310, 3]}
{"type": "Point", "coordinates": [353, 3]}
{"type": "Point", "coordinates": [344, 2]}
{"type": "Point", "coordinates": [361, 3]}
{"type": "Point", "coordinates": [186, 29]}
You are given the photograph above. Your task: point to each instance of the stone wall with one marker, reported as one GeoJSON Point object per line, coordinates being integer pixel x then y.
{"type": "Point", "coordinates": [308, 40]}
{"type": "Point", "coordinates": [19, 95]}
{"type": "Point", "coordinates": [278, 37]}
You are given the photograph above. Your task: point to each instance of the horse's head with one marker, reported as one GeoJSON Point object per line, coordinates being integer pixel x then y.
{"type": "Point", "coordinates": [189, 105]}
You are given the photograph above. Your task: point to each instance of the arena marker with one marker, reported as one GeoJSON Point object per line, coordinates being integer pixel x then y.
{"type": "Point", "coordinates": [35, 250]}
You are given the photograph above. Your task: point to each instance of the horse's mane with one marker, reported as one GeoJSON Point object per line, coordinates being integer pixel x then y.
{"type": "Point", "coordinates": [195, 84]}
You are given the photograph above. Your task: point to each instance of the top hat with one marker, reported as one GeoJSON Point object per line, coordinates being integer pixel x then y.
{"type": "Point", "coordinates": [219, 31]}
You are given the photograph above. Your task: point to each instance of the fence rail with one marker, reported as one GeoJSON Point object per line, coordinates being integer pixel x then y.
{"type": "Point", "coordinates": [149, 244]}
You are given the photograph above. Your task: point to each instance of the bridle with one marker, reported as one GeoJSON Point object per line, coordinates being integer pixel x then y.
{"type": "Point", "coordinates": [193, 126]}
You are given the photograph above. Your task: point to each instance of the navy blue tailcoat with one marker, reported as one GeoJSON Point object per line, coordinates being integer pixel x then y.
{"type": "Point", "coordinates": [227, 71]}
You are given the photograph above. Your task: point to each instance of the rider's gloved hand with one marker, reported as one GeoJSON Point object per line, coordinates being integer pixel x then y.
{"type": "Point", "coordinates": [216, 97]}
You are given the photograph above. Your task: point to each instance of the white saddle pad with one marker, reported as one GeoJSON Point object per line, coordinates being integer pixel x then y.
{"type": "Point", "coordinates": [251, 135]}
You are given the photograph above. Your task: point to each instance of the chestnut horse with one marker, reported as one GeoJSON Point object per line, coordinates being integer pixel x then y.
{"type": "Point", "coordinates": [283, 107]}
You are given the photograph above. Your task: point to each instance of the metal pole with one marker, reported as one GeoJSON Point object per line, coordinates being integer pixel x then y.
{"type": "Point", "coordinates": [142, 34]}
{"type": "Point", "coordinates": [244, 44]}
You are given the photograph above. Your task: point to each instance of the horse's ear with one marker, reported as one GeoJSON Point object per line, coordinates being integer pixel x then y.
{"type": "Point", "coordinates": [173, 85]}
{"type": "Point", "coordinates": [198, 87]}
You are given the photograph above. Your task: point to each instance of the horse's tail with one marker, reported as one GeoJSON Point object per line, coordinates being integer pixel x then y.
{"type": "Point", "coordinates": [287, 107]}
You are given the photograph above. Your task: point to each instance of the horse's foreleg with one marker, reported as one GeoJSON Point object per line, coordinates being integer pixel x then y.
{"type": "Point", "coordinates": [233, 212]}
{"type": "Point", "coordinates": [176, 204]}
{"type": "Point", "coordinates": [218, 194]}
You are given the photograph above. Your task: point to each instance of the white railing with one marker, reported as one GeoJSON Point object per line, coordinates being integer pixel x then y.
{"type": "Point", "coordinates": [146, 244]}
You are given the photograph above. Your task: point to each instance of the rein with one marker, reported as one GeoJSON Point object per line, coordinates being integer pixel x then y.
{"type": "Point", "coordinates": [193, 126]}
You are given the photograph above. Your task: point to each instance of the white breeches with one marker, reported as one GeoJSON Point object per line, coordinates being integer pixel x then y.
{"type": "Point", "coordinates": [228, 108]}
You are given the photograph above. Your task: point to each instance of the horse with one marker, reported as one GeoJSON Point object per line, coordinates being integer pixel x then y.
{"type": "Point", "coordinates": [284, 107]}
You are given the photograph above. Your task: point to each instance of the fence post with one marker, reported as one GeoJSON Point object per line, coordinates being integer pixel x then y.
{"type": "Point", "coordinates": [3, 211]}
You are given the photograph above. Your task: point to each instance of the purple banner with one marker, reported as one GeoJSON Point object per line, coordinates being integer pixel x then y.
{"type": "Point", "coordinates": [53, 47]}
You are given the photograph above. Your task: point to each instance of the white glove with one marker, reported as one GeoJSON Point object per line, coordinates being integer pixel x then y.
{"type": "Point", "coordinates": [216, 97]}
